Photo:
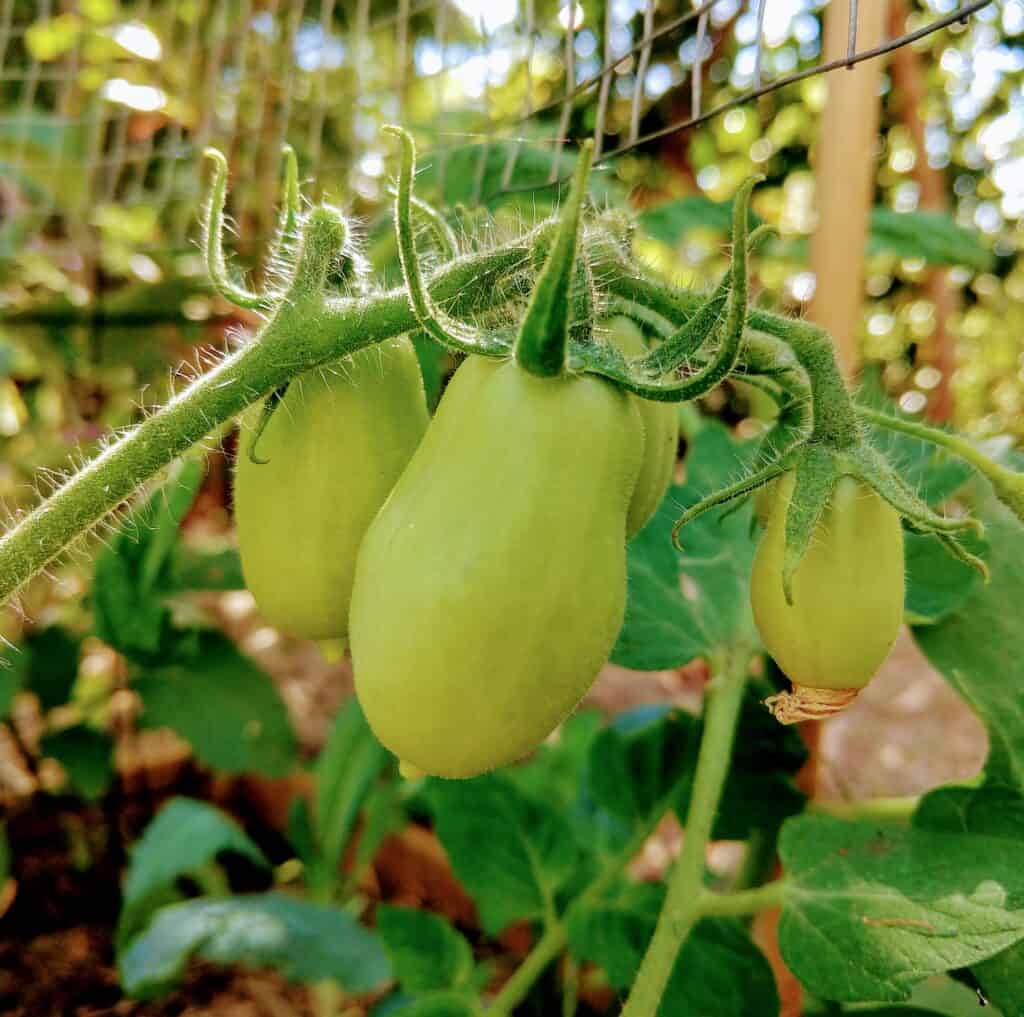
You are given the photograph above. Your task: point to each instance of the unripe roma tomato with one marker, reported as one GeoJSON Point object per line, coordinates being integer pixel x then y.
{"type": "Point", "coordinates": [491, 586]}
{"type": "Point", "coordinates": [847, 597]}
{"type": "Point", "coordinates": [661, 434]}
{"type": "Point", "coordinates": [334, 448]}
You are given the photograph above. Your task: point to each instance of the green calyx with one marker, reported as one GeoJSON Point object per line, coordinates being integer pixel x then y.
{"type": "Point", "coordinates": [818, 467]}
{"type": "Point", "coordinates": [544, 332]}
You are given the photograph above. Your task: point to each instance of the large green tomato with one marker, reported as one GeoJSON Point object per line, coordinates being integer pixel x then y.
{"type": "Point", "coordinates": [847, 591]}
{"type": "Point", "coordinates": [335, 446]}
{"type": "Point", "coordinates": [661, 434]}
{"type": "Point", "coordinates": [491, 586]}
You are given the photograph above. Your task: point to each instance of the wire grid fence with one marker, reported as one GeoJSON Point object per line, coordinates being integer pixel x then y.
{"type": "Point", "coordinates": [106, 109]}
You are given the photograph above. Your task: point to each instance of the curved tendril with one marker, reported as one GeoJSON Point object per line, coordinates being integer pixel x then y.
{"type": "Point", "coordinates": [443, 234]}
{"type": "Point", "coordinates": [875, 470]}
{"type": "Point", "coordinates": [288, 216]}
{"type": "Point", "coordinates": [958, 551]}
{"type": "Point", "coordinates": [815, 478]}
{"type": "Point", "coordinates": [678, 348]}
{"type": "Point", "coordinates": [448, 332]}
{"type": "Point", "coordinates": [544, 331]}
{"type": "Point", "coordinates": [725, 359]}
{"type": "Point", "coordinates": [269, 406]}
{"type": "Point", "coordinates": [213, 227]}
{"type": "Point", "coordinates": [742, 487]}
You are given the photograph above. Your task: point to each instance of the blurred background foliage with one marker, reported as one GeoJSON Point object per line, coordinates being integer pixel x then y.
{"type": "Point", "coordinates": [105, 108]}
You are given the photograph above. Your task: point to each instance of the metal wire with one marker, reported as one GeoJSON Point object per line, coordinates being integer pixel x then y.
{"type": "Point", "coordinates": [251, 76]}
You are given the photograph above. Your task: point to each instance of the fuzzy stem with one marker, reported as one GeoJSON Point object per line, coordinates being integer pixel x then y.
{"type": "Point", "coordinates": [1007, 484]}
{"type": "Point", "coordinates": [213, 228]}
{"type": "Point", "coordinates": [516, 989]}
{"type": "Point", "coordinates": [834, 419]}
{"type": "Point", "coordinates": [544, 332]}
{"type": "Point", "coordinates": [302, 335]}
{"type": "Point", "coordinates": [682, 907]}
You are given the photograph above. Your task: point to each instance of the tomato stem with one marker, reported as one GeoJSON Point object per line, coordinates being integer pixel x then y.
{"type": "Point", "coordinates": [683, 902]}
{"type": "Point", "coordinates": [743, 902]}
{"type": "Point", "coordinates": [1007, 484]}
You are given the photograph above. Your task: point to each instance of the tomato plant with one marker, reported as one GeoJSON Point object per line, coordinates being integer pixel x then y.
{"type": "Point", "coordinates": [493, 578]}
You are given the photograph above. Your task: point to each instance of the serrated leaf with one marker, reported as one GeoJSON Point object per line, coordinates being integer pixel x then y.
{"type": "Point", "coordinates": [670, 221]}
{"type": "Point", "coordinates": [990, 811]}
{"type": "Point", "coordinates": [224, 706]}
{"type": "Point", "coordinates": [529, 852]}
{"type": "Point", "coordinates": [933, 236]}
{"type": "Point", "coordinates": [426, 951]}
{"type": "Point", "coordinates": [719, 972]}
{"type": "Point", "coordinates": [185, 835]}
{"type": "Point", "coordinates": [979, 647]}
{"type": "Point", "coordinates": [87, 756]}
{"type": "Point", "coordinates": [302, 941]}
{"type": "Point", "coordinates": [686, 604]}
{"type": "Point", "coordinates": [870, 911]}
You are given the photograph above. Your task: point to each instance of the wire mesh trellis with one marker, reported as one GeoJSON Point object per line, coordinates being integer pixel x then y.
{"type": "Point", "coordinates": [107, 108]}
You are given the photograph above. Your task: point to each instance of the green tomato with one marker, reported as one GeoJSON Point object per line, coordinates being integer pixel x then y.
{"type": "Point", "coordinates": [661, 434]}
{"type": "Point", "coordinates": [847, 594]}
{"type": "Point", "coordinates": [491, 586]}
{"type": "Point", "coordinates": [335, 446]}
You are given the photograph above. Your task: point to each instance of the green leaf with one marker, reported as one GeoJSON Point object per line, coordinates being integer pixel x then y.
{"type": "Point", "coordinates": [510, 852]}
{"type": "Point", "coordinates": [872, 910]}
{"type": "Point", "coordinates": [672, 220]}
{"type": "Point", "coordinates": [433, 1004]}
{"type": "Point", "coordinates": [639, 761]}
{"type": "Point", "coordinates": [14, 666]}
{"type": "Point", "coordinates": [346, 768]}
{"type": "Point", "coordinates": [426, 952]}
{"type": "Point", "coordinates": [979, 647]}
{"type": "Point", "coordinates": [760, 791]}
{"type": "Point", "coordinates": [192, 569]}
{"type": "Point", "coordinates": [50, 665]}
{"type": "Point", "coordinates": [184, 836]}
{"type": "Point", "coordinates": [937, 583]}
{"type": "Point", "coordinates": [719, 972]}
{"type": "Point", "coordinates": [686, 604]}
{"type": "Point", "coordinates": [554, 773]}
{"type": "Point", "coordinates": [87, 756]}
{"type": "Point", "coordinates": [132, 575]}
{"type": "Point", "coordinates": [224, 706]}
{"type": "Point", "coordinates": [304, 942]}
{"type": "Point", "coordinates": [933, 236]}
{"type": "Point", "coordinates": [990, 811]}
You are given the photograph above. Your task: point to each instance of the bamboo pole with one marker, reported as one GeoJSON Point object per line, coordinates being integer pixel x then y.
{"type": "Point", "coordinates": [845, 164]}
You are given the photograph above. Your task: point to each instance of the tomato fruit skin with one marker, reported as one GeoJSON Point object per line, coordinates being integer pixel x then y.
{"type": "Point", "coordinates": [335, 446]}
{"type": "Point", "coordinates": [847, 590]}
{"type": "Point", "coordinates": [661, 435]}
{"type": "Point", "coordinates": [491, 586]}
